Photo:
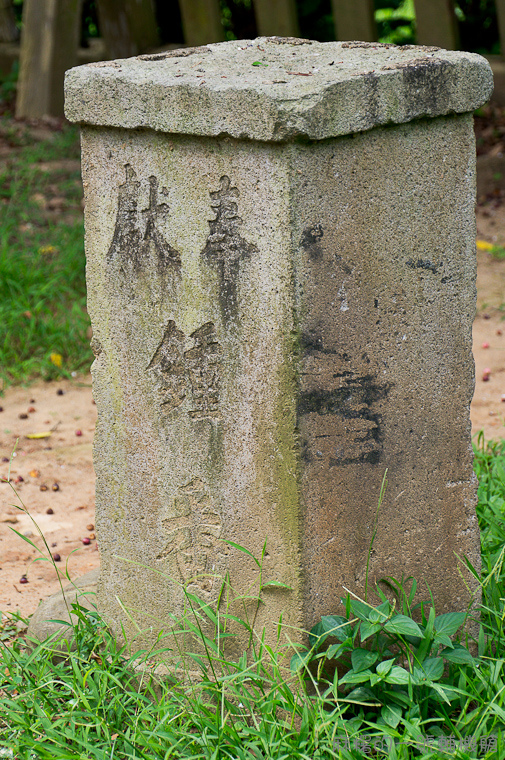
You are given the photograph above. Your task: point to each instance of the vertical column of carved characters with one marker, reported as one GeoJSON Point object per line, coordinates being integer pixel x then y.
{"type": "Point", "coordinates": [225, 248]}
{"type": "Point", "coordinates": [202, 362]}
{"type": "Point", "coordinates": [125, 247]}
{"type": "Point", "coordinates": [154, 246]}
{"type": "Point", "coordinates": [168, 367]}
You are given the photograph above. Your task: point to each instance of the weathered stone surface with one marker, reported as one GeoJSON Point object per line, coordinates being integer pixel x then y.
{"type": "Point", "coordinates": [275, 324]}
{"type": "Point", "coordinates": [57, 606]}
{"type": "Point", "coordinates": [277, 88]}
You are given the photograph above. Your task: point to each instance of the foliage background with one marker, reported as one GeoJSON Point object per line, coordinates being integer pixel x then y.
{"type": "Point", "coordinates": [395, 21]}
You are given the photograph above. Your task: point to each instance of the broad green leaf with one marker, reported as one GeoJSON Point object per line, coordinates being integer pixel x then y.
{"type": "Point", "coordinates": [362, 695]}
{"type": "Point", "coordinates": [398, 675]}
{"type": "Point", "coordinates": [360, 609]}
{"type": "Point", "coordinates": [338, 626]}
{"type": "Point", "coordinates": [300, 660]}
{"type": "Point", "coordinates": [383, 668]}
{"type": "Point", "coordinates": [336, 650]}
{"type": "Point", "coordinates": [380, 614]}
{"type": "Point", "coordinates": [352, 677]}
{"type": "Point", "coordinates": [398, 696]}
{"type": "Point", "coordinates": [362, 658]}
{"type": "Point", "coordinates": [368, 629]}
{"type": "Point", "coordinates": [430, 670]}
{"type": "Point", "coordinates": [391, 714]}
{"type": "Point", "coordinates": [403, 626]}
{"type": "Point", "coordinates": [442, 638]}
{"type": "Point", "coordinates": [449, 622]}
{"type": "Point", "coordinates": [330, 625]}
{"type": "Point", "coordinates": [457, 654]}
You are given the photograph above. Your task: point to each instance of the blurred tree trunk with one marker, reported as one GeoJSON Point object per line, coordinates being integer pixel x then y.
{"type": "Point", "coordinates": [436, 23]}
{"type": "Point", "coordinates": [8, 29]}
{"type": "Point", "coordinates": [201, 21]}
{"type": "Point", "coordinates": [354, 20]}
{"type": "Point", "coordinates": [276, 18]}
{"type": "Point", "coordinates": [49, 41]}
{"type": "Point", "coordinates": [128, 27]}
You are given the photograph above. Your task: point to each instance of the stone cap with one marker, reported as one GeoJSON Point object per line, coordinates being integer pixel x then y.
{"type": "Point", "coordinates": [277, 88]}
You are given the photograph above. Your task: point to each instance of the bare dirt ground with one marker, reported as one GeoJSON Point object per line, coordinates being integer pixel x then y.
{"type": "Point", "coordinates": [51, 481]}
{"type": "Point", "coordinates": [52, 478]}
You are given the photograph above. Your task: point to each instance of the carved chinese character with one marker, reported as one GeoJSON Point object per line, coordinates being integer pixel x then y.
{"type": "Point", "coordinates": [225, 247]}
{"type": "Point", "coordinates": [137, 242]}
{"type": "Point", "coordinates": [202, 362]}
{"type": "Point", "coordinates": [168, 367]}
{"type": "Point", "coordinates": [193, 527]}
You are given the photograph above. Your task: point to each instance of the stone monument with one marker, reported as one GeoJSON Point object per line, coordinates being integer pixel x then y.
{"type": "Point", "coordinates": [280, 243]}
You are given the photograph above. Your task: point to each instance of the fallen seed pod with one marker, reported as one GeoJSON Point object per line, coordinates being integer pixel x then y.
{"type": "Point", "coordinates": [486, 374]}
{"type": "Point", "coordinates": [23, 416]}
{"type": "Point", "coordinates": [90, 527]}
{"type": "Point", "coordinates": [56, 557]}
{"type": "Point", "coordinates": [92, 536]}
{"type": "Point", "coordinates": [19, 479]}
{"type": "Point", "coordinates": [31, 409]}
{"type": "Point", "coordinates": [43, 487]}
{"type": "Point", "coordinates": [49, 511]}
{"type": "Point", "coordinates": [78, 432]}
{"type": "Point", "coordinates": [55, 487]}
{"type": "Point", "coordinates": [86, 540]}
{"type": "Point", "coordinates": [60, 392]}
{"type": "Point", "coordinates": [23, 579]}
{"type": "Point", "coordinates": [485, 344]}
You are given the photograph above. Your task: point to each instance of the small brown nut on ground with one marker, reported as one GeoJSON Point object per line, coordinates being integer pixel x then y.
{"type": "Point", "coordinates": [90, 527]}
{"type": "Point", "coordinates": [55, 487]}
{"type": "Point", "coordinates": [23, 416]}
{"type": "Point", "coordinates": [49, 511]}
{"type": "Point", "coordinates": [43, 487]}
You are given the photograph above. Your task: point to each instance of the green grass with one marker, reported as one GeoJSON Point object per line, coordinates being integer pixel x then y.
{"type": "Point", "coordinates": [394, 680]}
{"type": "Point", "coordinates": [42, 286]}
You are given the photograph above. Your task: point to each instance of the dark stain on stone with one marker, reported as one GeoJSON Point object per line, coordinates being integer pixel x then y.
{"type": "Point", "coordinates": [225, 248]}
{"type": "Point", "coordinates": [354, 401]}
{"type": "Point", "coordinates": [310, 242]}
{"type": "Point", "coordinates": [372, 91]}
{"type": "Point", "coordinates": [428, 78]}
{"type": "Point", "coordinates": [350, 402]}
{"type": "Point", "coordinates": [423, 264]}
{"type": "Point", "coordinates": [137, 239]}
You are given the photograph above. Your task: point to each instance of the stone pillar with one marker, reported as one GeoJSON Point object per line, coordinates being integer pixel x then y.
{"type": "Point", "coordinates": [280, 239]}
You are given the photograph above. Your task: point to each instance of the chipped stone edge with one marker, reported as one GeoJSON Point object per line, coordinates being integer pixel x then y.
{"type": "Point", "coordinates": [426, 86]}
